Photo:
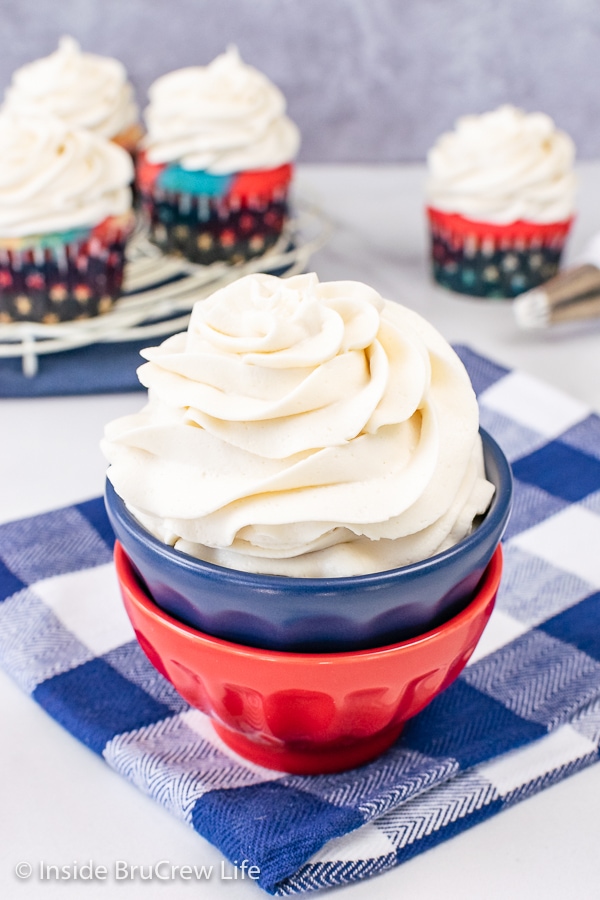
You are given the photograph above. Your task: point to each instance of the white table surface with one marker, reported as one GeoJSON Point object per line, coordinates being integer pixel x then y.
{"type": "Point", "coordinates": [59, 803]}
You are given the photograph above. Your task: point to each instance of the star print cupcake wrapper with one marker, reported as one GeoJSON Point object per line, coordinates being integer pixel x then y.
{"type": "Point", "coordinates": [63, 276]}
{"type": "Point", "coordinates": [486, 260]}
{"type": "Point", "coordinates": [210, 218]}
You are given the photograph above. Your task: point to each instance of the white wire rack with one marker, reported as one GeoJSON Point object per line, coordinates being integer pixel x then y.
{"type": "Point", "coordinates": [159, 292]}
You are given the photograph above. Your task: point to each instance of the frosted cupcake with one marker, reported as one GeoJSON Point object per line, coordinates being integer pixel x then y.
{"type": "Point", "coordinates": [65, 215]}
{"type": "Point", "coordinates": [217, 162]}
{"type": "Point", "coordinates": [501, 199]}
{"type": "Point", "coordinates": [86, 90]}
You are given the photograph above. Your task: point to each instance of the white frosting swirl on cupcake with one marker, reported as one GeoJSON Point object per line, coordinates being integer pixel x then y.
{"type": "Point", "coordinates": [85, 90]}
{"type": "Point", "coordinates": [222, 118]}
{"type": "Point", "coordinates": [55, 178]}
{"type": "Point", "coordinates": [303, 428]}
{"type": "Point", "coordinates": [502, 167]}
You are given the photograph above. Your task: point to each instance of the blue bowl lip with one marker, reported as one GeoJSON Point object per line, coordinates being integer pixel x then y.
{"type": "Point", "coordinates": [494, 521]}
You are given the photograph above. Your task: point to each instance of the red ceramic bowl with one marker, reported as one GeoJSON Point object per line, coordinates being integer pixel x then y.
{"type": "Point", "coordinates": [306, 713]}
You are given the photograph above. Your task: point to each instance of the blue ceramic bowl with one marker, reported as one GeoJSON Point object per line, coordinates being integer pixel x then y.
{"type": "Point", "coordinates": [318, 615]}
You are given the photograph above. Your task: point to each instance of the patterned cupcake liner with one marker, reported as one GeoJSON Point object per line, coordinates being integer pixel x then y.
{"type": "Point", "coordinates": [207, 218]}
{"type": "Point", "coordinates": [63, 276]}
{"type": "Point", "coordinates": [496, 261]}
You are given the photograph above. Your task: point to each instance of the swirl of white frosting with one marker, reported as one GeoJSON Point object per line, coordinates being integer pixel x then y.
{"type": "Point", "coordinates": [303, 428]}
{"type": "Point", "coordinates": [85, 90]}
{"type": "Point", "coordinates": [503, 166]}
{"type": "Point", "coordinates": [55, 178]}
{"type": "Point", "coordinates": [222, 118]}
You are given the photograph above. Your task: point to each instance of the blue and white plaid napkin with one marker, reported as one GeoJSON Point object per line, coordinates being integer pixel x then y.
{"type": "Point", "coordinates": [523, 715]}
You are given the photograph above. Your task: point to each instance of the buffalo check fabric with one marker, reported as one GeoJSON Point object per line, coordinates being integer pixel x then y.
{"type": "Point", "coordinates": [524, 714]}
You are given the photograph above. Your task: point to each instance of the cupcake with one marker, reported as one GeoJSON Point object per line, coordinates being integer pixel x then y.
{"type": "Point", "coordinates": [500, 202]}
{"type": "Point", "coordinates": [217, 162]}
{"type": "Point", "coordinates": [85, 90]}
{"type": "Point", "coordinates": [65, 216]}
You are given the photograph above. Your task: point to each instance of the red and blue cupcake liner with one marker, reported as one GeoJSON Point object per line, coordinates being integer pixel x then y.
{"type": "Point", "coordinates": [63, 276]}
{"type": "Point", "coordinates": [496, 261]}
{"type": "Point", "coordinates": [210, 218]}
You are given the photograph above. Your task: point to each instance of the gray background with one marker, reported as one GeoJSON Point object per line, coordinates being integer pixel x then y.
{"type": "Point", "coordinates": [366, 80]}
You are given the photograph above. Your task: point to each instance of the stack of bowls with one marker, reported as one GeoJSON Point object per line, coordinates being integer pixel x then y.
{"type": "Point", "coordinates": [312, 675]}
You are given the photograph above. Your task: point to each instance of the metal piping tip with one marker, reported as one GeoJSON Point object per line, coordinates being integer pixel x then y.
{"type": "Point", "coordinates": [572, 295]}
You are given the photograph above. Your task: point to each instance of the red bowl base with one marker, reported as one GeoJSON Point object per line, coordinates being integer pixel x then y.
{"type": "Point", "coordinates": [304, 761]}
{"type": "Point", "coordinates": [300, 712]}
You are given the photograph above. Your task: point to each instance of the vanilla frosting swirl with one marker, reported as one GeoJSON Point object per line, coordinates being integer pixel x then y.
{"type": "Point", "coordinates": [222, 118]}
{"type": "Point", "coordinates": [503, 166]}
{"type": "Point", "coordinates": [86, 90]}
{"type": "Point", "coordinates": [303, 428]}
{"type": "Point", "coordinates": [54, 177]}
